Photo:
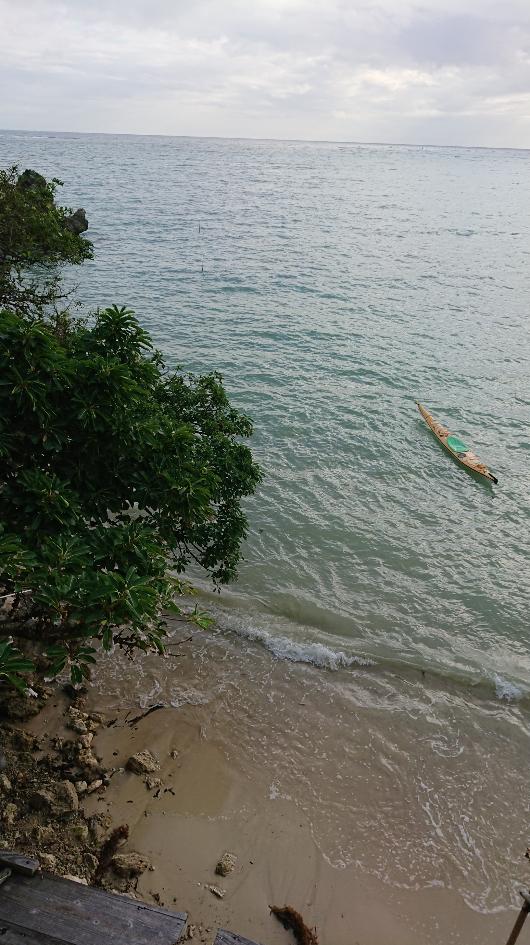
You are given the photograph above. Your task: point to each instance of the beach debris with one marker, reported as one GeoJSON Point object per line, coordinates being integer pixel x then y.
{"type": "Point", "coordinates": [190, 932]}
{"type": "Point", "coordinates": [293, 921]}
{"type": "Point", "coordinates": [10, 814]}
{"type": "Point", "coordinates": [174, 754]}
{"type": "Point", "coordinates": [117, 838]}
{"type": "Point", "coordinates": [66, 797]}
{"type": "Point", "coordinates": [143, 715]}
{"type": "Point", "coordinates": [129, 864]}
{"type": "Point", "coordinates": [217, 891]}
{"type": "Point", "coordinates": [143, 762]}
{"type": "Point", "coordinates": [226, 864]}
{"type": "Point", "coordinates": [48, 861]}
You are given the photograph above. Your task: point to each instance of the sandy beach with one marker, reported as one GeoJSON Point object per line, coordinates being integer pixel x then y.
{"type": "Point", "coordinates": [211, 801]}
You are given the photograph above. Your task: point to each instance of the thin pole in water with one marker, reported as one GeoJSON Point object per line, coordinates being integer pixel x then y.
{"type": "Point", "coordinates": [521, 918]}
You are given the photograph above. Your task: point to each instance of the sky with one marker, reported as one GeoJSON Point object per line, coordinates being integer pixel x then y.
{"type": "Point", "coordinates": [451, 72]}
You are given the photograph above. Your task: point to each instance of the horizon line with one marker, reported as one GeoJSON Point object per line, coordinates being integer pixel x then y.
{"type": "Point", "coordinates": [384, 144]}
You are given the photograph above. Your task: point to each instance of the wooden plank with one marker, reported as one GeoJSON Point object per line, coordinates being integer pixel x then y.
{"type": "Point", "coordinates": [19, 863]}
{"type": "Point", "coordinates": [13, 935]}
{"type": "Point", "coordinates": [80, 915]}
{"type": "Point", "coordinates": [231, 938]}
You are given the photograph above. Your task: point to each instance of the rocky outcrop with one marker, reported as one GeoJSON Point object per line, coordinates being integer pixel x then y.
{"type": "Point", "coordinates": [77, 222]}
{"type": "Point", "coordinates": [31, 180]}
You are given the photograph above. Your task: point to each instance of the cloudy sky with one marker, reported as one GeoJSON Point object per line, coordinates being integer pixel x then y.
{"type": "Point", "coordinates": [421, 71]}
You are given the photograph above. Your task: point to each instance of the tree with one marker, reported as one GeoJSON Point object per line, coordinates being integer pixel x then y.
{"type": "Point", "coordinates": [115, 476]}
{"type": "Point", "coordinates": [36, 236]}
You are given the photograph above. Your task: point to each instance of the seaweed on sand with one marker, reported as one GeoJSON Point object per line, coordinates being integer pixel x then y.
{"type": "Point", "coordinates": [291, 919]}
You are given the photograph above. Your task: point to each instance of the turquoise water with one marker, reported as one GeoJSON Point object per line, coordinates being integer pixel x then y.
{"type": "Point", "coordinates": [334, 284]}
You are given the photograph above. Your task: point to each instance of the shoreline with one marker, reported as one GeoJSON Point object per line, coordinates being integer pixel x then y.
{"type": "Point", "coordinates": [210, 802]}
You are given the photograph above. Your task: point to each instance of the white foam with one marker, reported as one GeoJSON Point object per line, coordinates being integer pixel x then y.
{"type": "Point", "coordinates": [506, 690]}
{"type": "Point", "coordinates": [315, 653]}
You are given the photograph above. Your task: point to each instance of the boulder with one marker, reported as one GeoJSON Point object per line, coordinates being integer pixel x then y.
{"type": "Point", "coordinates": [31, 180]}
{"type": "Point", "coordinates": [77, 222]}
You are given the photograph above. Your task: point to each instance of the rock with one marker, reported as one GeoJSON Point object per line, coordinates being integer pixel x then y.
{"type": "Point", "coordinates": [85, 741]}
{"type": "Point", "coordinates": [66, 797]}
{"type": "Point", "coordinates": [152, 783]}
{"type": "Point", "coordinates": [10, 814]}
{"type": "Point", "coordinates": [91, 862]}
{"type": "Point", "coordinates": [87, 759]}
{"type": "Point", "coordinates": [174, 754]}
{"type": "Point", "coordinates": [47, 861]}
{"type": "Point", "coordinates": [142, 763]}
{"type": "Point", "coordinates": [5, 783]}
{"type": "Point", "coordinates": [95, 785]}
{"type": "Point", "coordinates": [44, 834]}
{"type": "Point", "coordinates": [190, 931]}
{"type": "Point", "coordinates": [81, 787]}
{"type": "Point", "coordinates": [79, 832]}
{"type": "Point", "coordinates": [226, 864]}
{"type": "Point", "coordinates": [31, 180]}
{"type": "Point", "coordinates": [129, 864]}
{"type": "Point", "coordinates": [77, 223]}
{"type": "Point", "coordinates": [79, 727]}
{"type": "Point", "coordinates": [97, 718]}
{"type": "Point", "coordinates": [99, 826]}
{"type": "Point", "coordinates": [41, 800]}
{"type": "Point", "coordinates": [75, 879]}
{"type": "Point", "coordinates": [217, 891]}
{"type": "Point", "coordinates": [25, 740]}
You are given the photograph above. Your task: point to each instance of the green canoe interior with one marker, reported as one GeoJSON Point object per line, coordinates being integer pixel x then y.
{"type": "Point", "coordinates": [455, 443]}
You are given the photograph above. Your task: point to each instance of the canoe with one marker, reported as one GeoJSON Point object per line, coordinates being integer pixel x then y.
{"type": "Point", "coordinates": [455, 447]}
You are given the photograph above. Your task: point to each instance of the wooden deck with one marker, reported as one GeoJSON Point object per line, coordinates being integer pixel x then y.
{"type": "Point", "coordinates": [52, 911]}
{"type": "Point", "coordinates": [39, 909]}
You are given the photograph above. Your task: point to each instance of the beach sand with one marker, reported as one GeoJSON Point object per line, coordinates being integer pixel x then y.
{"type": "Point", "coordinates": [217, 796]}
{"type": "Point", "coordinates": [206, 807]}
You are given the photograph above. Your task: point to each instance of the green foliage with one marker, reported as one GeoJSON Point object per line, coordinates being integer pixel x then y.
{"type": "Point", "coordinates": [12, 664]}
{"type": "Point", "coordinates": [115, 476]}
{"type": "Point", "coordinates": [34, 240]}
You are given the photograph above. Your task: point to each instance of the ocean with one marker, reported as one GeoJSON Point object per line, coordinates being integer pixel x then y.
{"type": "Point", "coordinates": [377, 638]}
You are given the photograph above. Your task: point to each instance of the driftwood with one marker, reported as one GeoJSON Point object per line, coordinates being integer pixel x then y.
{"type": "Point", "coordinates": [143, 715]}
{"type": "Point", "coordinates": [292, 920]}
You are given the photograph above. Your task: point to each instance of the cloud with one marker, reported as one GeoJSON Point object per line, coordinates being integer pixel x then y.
{"type": "Point", "coordinates": [443, 72]}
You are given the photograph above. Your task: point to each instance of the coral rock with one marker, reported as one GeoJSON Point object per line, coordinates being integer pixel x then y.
{"type": "Point", "coordinates": [226, 864]}
{"type": "Point", "coordinates": [129, 864]}
{"type": "Point", "coordinates": [142, 763]}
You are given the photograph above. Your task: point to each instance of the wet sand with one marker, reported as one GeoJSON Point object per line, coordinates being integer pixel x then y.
{"type": "Point", "coordinates": [206, 806]}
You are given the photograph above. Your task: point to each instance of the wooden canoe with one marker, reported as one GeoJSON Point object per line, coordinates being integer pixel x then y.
{"type": "Point", "coordinates": [455, 447]}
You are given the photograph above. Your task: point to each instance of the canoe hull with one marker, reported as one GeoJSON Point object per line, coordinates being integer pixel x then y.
{"type": "Point", "coordinates": [466, 458]}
